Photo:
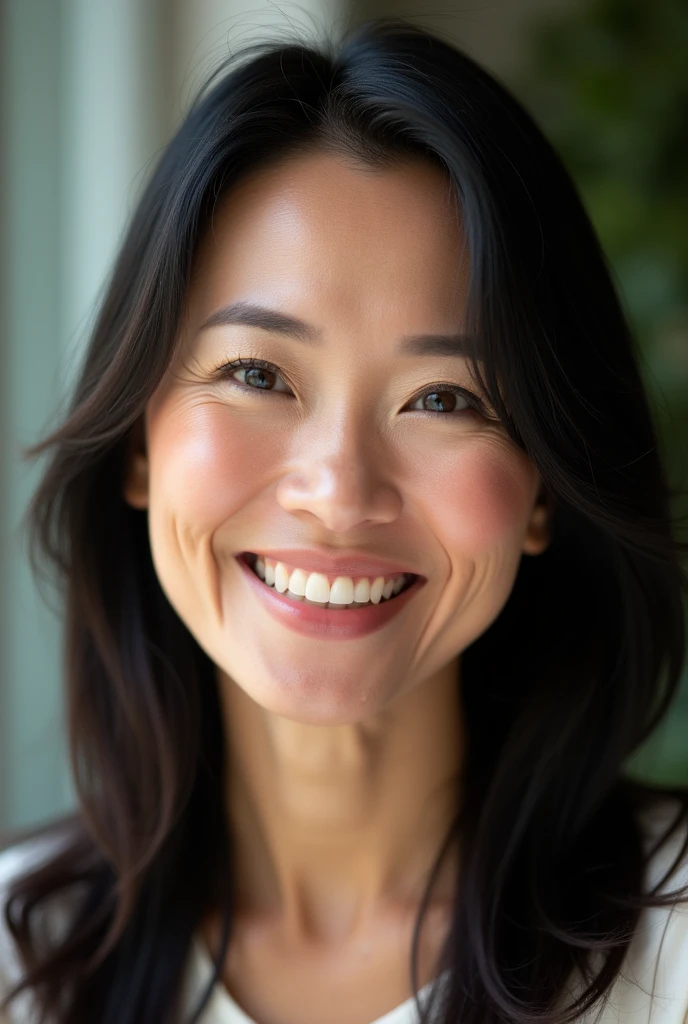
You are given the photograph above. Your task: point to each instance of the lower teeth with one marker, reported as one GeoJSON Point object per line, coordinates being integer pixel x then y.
{"type": "Point", "coordinates": [326, 604]}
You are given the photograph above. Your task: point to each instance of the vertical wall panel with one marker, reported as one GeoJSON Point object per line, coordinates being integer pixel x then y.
{"type": "Point", "coordinates": [114, 116]}
{"type": "Point", "coordinates": [32, 776]}
{"type": "Point", "coordinates": [83, 90]}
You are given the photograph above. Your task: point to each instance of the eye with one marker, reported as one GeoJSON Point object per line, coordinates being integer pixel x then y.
{"type": "Point", "coordinates": [444, 398]}
{"type": "Point", "coordinates": [258, 374]}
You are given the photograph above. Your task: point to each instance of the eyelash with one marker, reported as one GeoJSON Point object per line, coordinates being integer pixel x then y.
{"type": "Point", "coordinates": [226, 369]}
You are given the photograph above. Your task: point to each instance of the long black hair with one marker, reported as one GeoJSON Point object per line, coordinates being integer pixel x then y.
{"type": "Point", "coordinates": [578, 668]}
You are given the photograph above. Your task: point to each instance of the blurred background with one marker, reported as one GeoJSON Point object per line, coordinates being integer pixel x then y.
{"type": "Point", "coordinates": [90, 92]}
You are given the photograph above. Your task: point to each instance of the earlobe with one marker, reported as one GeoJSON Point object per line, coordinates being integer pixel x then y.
{"type": "Point", "coordinates": [135, 487]}
{"type": "Point", "coordinates": [539, 532]}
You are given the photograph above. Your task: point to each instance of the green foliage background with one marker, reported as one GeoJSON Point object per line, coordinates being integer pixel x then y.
{"type": "Point", "coordinates": [608, 83]}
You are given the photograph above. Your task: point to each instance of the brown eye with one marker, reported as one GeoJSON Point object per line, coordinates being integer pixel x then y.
{"type": "Point", "coordinates": [256, 377]}
{"type": "Point", "coordinates": [258, 374]}
{"type": "Point", "coordinates": [442, 401]}
{"type": "Point", "coordinates": [447, 401]}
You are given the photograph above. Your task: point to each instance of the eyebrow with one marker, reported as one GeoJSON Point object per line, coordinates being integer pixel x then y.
{"type": "Point", "coordinates": [252, 314]}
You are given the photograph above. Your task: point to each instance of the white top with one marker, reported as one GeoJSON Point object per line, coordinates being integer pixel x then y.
{"type": "Point", "coordinates": [651, 989]}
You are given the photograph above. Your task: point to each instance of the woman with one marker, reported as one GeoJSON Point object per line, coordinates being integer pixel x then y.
{"type": "Point", "coordinates": [371, 582]}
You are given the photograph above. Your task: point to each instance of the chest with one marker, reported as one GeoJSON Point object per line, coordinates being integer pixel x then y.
{"type": "Point", "coordinates": [278, 982]}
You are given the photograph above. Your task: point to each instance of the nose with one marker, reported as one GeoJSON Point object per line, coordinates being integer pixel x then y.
{"type": "Point", "coordinates": [339, 474]}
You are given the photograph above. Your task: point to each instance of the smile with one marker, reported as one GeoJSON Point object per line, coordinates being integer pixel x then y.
{"type": "Point", "coordinates": [338, 593]}
{"type": "Point", "coordinates": [327, 620]}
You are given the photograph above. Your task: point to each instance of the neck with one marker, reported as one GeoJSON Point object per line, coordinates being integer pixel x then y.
{"type": "Point", "coordinates": [334, 825]}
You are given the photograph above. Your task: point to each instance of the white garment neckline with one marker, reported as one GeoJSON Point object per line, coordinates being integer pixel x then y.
{"type": "Point", "coordinates": [403, 1013]}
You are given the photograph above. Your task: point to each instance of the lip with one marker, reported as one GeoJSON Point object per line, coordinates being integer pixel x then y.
{"type": "Point", "coordinates": [328, 623]}
{"type": "Point", "coordinates": [353, 563]}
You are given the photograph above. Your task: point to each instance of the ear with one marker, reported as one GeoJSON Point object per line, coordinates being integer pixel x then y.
{"type": "Point", "coordinates": [136, 467]}
{"type": "Point", "coordinates": [539, 532]}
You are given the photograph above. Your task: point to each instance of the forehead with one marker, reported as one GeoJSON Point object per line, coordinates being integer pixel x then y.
{"type": "Point", "coordinates": [317, 230]}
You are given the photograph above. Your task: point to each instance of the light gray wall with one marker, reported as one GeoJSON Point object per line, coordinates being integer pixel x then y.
{"type": "Point", "coordinates": [32, 774]}
{"type": "Point", "coordinates": [81, 116]}
{"type": "Point", "coordinates": [114, 116]}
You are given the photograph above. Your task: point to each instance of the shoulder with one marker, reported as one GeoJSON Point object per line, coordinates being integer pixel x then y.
{"type": "Point", "coordinates": [653, 983]}
{"type": "Point", "coordinates": [20, 857]}
{"type": "Point", "coordinates": [15, 861]}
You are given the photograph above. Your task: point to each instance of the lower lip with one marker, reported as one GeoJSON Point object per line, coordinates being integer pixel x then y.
{"type": "Point", "coordinates": [328, 623]}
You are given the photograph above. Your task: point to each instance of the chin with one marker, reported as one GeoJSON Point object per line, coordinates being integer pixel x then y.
{"type": "Point", "coordinates": [315, 702]}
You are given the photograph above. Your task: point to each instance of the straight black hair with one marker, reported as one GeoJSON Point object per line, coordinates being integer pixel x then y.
{"type": "Point", "coordinates": [577, 670]}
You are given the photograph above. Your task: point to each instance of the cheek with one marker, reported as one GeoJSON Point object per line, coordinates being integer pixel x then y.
{"type": "Point", "coordinates": [481, 497]}
{"type": "Point", "coordinates": [205, 464]}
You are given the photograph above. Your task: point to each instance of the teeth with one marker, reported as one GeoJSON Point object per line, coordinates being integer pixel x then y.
{"type": "Point", "coordinates": [281, 578]}
{"type": "Point", "coordinates": [315, 587]}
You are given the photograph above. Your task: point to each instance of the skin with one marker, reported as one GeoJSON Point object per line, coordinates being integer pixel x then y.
{"type": "Point", "coordinates": [344, 757]}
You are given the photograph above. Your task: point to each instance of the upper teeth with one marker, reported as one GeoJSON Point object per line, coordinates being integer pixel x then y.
{"type": "Point", "coordinates": [315, 586]}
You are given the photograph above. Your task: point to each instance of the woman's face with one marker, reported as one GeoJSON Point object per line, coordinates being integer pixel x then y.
{"type": "Point", "coordinates": [337, 449]}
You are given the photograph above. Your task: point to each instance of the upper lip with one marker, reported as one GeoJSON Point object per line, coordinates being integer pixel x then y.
{"type": "Point", "coordinates": [350, 563]}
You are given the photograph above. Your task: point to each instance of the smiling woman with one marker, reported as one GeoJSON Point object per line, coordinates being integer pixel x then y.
{"type": "Point", "coordinates": [371, 582]}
